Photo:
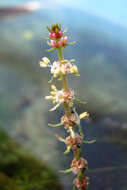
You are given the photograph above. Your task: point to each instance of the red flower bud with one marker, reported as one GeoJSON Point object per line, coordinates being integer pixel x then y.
{"type": "Point", "coordinates": [55, 35]}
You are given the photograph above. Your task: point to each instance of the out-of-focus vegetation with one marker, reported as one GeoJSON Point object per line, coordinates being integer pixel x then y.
{"type": "Point", "coordinates": [20, 171]}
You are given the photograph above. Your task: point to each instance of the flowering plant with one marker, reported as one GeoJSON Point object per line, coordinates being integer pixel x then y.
{"type": "Point", "coordinates": [58, 40]}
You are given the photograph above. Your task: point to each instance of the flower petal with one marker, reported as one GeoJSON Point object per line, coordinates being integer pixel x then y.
{"type": "Point", "coordinates": [55, 107]}
{"type": "Point", "coordinates": [84, 115]}
{"type": "Point", "coordinates": [46, 60]}
{"type": "Point", "coordinates": [42, 64]}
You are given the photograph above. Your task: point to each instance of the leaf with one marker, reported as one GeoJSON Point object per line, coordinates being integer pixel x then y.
{"type": "Point", "coordinates": [89, 142]}
{"type": "Point", "coordinates": [50, 81]}
{"type": "Point", "coordinates": [48, 29]}
{"type": "Point", "coordinates": [71, 43]}
{"type": "Point", "coordinates": [77, 74]}
{"type": "Point", "coordinates": [48, 50]}
{"type": "Point", "coordinates": [79, 101]}
{"type": "Point", "coordinates": [46, 38]}
{"type": "Point", "coordinates": [66, 171]}
{"type": "Point", "coordinates": [55, 107]}
{"type": "Point", "coordinates": [71, 104]}
{"type": "Point", "coordinates": [67, 150]}
{"type": "Point", "coordinates": [59, 25]}
{"type": "Point", "coordinates": [55, 125]}
{"type": "Point", "coordinates": [60, 138]}
{"type": "Point", "coordinates": [65, 30]}
{"type": "Point", "coordinates": [72, 60]}
{"type": "Point", "coordinates": [60, 78]}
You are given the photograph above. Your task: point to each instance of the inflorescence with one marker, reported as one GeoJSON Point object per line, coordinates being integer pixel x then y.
{"type": "Point", "coordinates": [58, 40]}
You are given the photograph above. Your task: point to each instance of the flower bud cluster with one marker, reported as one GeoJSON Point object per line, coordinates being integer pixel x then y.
{"type": "Point", "coordinates": [70, 120]}
{"type": "Point", "coordinates": [57, 37]}
{"type": "Point", "coordinates": [78, 165]}
{"type": "Point", "coordinates": [62, 42]}
{"type": "Point", "coordinates": [55, 33]}
{"type": "Point", "coordinates": [81, 184]}
{"type": "Point", "coordinates": [75, 141]}
{"type": "Point", "coordinates": [66, 96]}
{"type": "Point", "coordinates": [59, 68]}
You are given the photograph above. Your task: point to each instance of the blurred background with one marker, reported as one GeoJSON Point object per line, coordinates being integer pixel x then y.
{"type": "Point", "coordinates": [30, 155]}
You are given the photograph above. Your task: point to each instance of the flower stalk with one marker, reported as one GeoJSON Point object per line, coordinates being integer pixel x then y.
{"type": "Point", "coordinates": [57, 40]}
{"type": "Point", "coordinates": [65, 85]}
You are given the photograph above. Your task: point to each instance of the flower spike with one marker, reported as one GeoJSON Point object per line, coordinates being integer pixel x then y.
{"type": "Point", "coordinates": [66, 97]}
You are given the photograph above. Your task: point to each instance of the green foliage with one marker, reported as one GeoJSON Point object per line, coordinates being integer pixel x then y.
{"type": "Point", "coordinates": [20, 171]}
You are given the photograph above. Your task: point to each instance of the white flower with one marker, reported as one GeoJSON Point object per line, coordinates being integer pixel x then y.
{"type": "Point", "coordinates": [67, 67]}
{"type": "Point", "coordinates": [55, 68]}
{"type": "Point", "coordinates": [60, 96]}
{"type": "Point", "coordinates": [61, 68]}
{"type": "Point", "coordinates": [74, 70]}
{"type": "Point", "coordinates": [45, 62]}
{"type": "Point", "coordinates": [84, 115]}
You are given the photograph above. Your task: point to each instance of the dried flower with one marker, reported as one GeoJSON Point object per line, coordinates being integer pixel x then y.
{"type": "Point", "coordinates": [70, 120]}
{"type": "Point", "coordinates": [69, 95]}
{"type": "Point", "coordinates": [78, 165]}
{"type": "Point", "coordinates": [74, 141]}
{"type": "Point", "coordinates": [83, 184]}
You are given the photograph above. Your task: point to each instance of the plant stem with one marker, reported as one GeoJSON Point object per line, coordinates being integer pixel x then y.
{"type": "Point", "coordinates": [65, 83]}
{"type": "Point", "coordinates": [60, 54]}
{"type": "Point", "coordinates": [77, 152]}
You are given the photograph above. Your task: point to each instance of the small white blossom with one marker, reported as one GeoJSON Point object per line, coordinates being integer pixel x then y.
{"type": "Point", "coordinates": [45, 62]}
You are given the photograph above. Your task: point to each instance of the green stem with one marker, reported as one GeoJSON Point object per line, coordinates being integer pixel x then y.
{"type": "Point", "coordinates": [80, 130]}
{"type": "Point", "coordinates": [74, 188]}
{"type": "Point", "coordinates": [60, 54]}
{"type": "Point", "coordinates": [65, 84]}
